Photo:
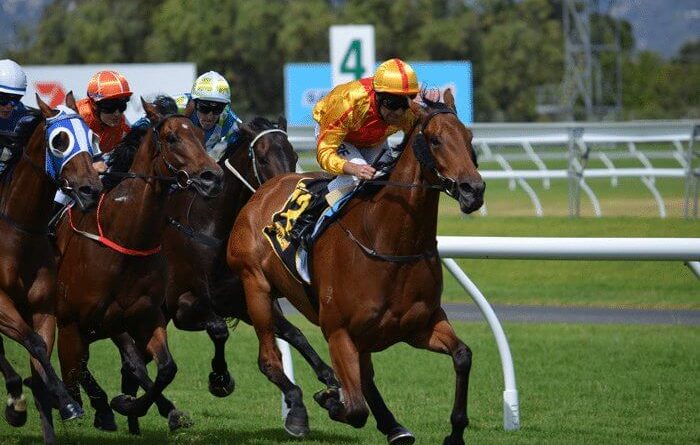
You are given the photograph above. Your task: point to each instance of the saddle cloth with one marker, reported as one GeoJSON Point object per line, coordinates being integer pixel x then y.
{"type": "Point", "coordinates": [301, 220]}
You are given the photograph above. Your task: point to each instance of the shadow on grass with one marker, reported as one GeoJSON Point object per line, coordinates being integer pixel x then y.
{"type": "Point", "coordinates": [189, 437]}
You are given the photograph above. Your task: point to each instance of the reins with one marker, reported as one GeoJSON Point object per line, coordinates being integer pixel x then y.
{"type": "Point", "coordinates": [426, 160]}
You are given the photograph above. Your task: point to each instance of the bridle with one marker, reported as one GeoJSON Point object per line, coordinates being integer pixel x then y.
{"type": "Point", "coordinates": [179, 177]}
{"type": "Point", "coordinates": [253, 159]}
{"type": "Point", "coordinates": [211, 241]}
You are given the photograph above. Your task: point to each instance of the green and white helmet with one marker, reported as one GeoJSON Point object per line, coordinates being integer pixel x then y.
{"type": "Point", "coordinates": [211, 86]}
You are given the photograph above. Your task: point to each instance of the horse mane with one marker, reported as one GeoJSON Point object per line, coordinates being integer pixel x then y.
{"type": "Point", "coordinates": [121, 158]}
{"type": "Point", "coordinates": [27, 124]}
{"type": "Point", "coordinates": [258, 124]}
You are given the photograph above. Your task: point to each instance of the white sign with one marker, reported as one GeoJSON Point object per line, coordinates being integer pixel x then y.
{"type": "Point", "coordinates": [352, 52]}
{"type": "Point", "coordinates": [53, 82]}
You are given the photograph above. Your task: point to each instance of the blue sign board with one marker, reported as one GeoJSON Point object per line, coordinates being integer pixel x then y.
{"type": "Point", "coordinates": [306, 83]}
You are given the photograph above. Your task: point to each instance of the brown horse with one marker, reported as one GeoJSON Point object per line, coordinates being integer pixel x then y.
{"type": "Point", "coordinates": [201, 290]}
{"type": "Point", "coordinates": [42, 163]}
{"type": "Point", "coordinates": [121, 291]}
{"type": "Point", "coordinates": [376, 274]}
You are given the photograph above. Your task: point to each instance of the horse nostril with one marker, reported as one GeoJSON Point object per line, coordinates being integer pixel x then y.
{"type": "Point", "coordinates": [475, 188]}
{"type": "Point", "coordinates": [208, 176]}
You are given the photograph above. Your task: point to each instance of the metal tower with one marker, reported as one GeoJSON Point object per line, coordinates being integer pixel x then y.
{"type": "Point", "coordinates": [590, 89]}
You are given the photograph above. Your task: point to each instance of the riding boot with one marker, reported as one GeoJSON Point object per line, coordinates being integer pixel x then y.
{"type": "Point", "coordinates": [304, 225]}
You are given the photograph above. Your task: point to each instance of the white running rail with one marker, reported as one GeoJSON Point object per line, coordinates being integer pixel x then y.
{"type": "Point", "coordinates": [486, 247]}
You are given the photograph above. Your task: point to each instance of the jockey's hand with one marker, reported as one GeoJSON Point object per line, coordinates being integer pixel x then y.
{"type": "Point", "coordinates": [362, 171]}
{"type": "Point", "coordinates": [99, 166]}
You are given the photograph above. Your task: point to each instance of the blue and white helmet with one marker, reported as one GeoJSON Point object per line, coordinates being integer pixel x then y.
{"type": "Point", "coordinates": [12, 78]}
{"type": "Point", "coordinates": [80, 139]}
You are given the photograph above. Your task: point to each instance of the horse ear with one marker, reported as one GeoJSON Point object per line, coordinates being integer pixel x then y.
{"type": "Point", "coordinates": [46, 110]}
{"type": "Point", "coordinates": [189, 109]}
{"type": "Point", "coordinates": [246, 130]}
{"type": "Point", "coordinates": [449, 99]}
{"type": "Point", "coordinates": [70, 101]}
{"type": "Point", "coordinates": [282, 123]}
{"type": "Point", "coordinates": [151, 111]}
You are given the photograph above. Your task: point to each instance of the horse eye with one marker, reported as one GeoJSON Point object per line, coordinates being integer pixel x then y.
{"type": "Point", "coordinates": [171, 138]}
{"type": "Point", "coordinates": [434, 141]}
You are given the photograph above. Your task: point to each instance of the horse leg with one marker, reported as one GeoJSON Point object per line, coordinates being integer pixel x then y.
{"type": "Point", "coordinates": [193, 313]}
{"type": "Point", "coordinates": [346, 363]}
{"type": "Point", "coordinates": [257, 292]}
{"type": "Point", "coordinates": [134, 374]}
{"type": "Point", "coordinates": [156, 346]}
{"type": "Point", "coordinates": [395, 433]}
{"type": "Point", "coordinates": [104, 416]}
{"type": "Point", "coordinates": [16, 408]}
{"type": "Point", "coordinates": [292, 335]}
{"type": "Point", "coordinates": [221, 384]}
{"type": "Point", "coordinates": [440, 337]}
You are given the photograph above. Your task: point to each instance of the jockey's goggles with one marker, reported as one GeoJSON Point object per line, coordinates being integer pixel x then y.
{"type": "Point", "coordinates": [210, 107]}
{"type": "Point", "coordinates": [110, 106]}
{"type": "Point", "coordinates": [11, 99]}
{"type": "Point", "coordinates": [393, 102]}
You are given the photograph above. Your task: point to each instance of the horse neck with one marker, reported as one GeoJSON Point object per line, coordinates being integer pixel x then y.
{"type": "Point", "coordinates": [397, 216]}
{"type": "Point", "coordinates": [133, 213]}
{"type": "Point", "coordinates": [26, 193]}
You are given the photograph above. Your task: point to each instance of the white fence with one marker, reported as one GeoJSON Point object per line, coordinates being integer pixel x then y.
{"type": "Point", "coordinates": [656, 249]}
{"type": "Point", "coordinates": [577, 143]}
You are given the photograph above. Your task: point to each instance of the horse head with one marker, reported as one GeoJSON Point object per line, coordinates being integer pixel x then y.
{"type": "Point", "coordinates": [70, 146]}
{"type": "Point", "coordinates": [178, 142]}
{"type": "Point", "coordinates": [443, 146]}
{"type": "Point", "coordinates": [269, 152]}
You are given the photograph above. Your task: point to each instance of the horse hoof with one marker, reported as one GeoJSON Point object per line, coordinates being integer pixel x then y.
{"type": "Point", "coordinates": [15, 418]}
{"type": "Point", "coordinates": [221, 385]}
{"type": "Point", "coordinates": [178, 419]}
{"type": "Point", "coordinates": [105, 421]}
{"type": "Point", "coordinates": [400, 436]}
{"type": "Point", "coordinates": [328, 397]}
{"type": "Point", "coordinates": [448, 441]}
{"type": "Point", "coordinates": [134, 428]}
{"type": "Point", "coordinates": [297, 423]}
{"type": "Point", "coordinates": [71, 411]}
{"type": "Point", "coordinates": [126, 406]}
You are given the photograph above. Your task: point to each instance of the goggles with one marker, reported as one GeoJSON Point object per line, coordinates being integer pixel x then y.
{"type": "Point", "coordinates": [393, 102]}
{"type": "Point", "coordinates": [110, 106]}
{"type": "Point", "coordinates": [11, 99]}
{"type": "Point", "coordinates": [210, 107]}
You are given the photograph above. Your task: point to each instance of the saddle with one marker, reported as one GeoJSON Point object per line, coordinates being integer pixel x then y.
{"type": "Point", "coordinates": [291, 231]}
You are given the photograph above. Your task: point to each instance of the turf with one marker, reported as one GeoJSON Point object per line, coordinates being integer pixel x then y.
{"type": "Point", "coordinates": [578, 384]}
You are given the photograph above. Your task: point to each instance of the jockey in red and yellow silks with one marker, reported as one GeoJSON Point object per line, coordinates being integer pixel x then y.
{"type": "Point", "coordinates": [362, 114]}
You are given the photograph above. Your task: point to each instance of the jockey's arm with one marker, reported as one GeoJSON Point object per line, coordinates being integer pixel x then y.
{"type": "Point", "coordinates": [229, 127]}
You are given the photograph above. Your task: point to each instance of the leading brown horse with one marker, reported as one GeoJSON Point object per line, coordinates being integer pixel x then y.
{"type": "Point", "coordinates": [120, 290]}
{"type": "Point", "coordinates": [376, 273]}
{"type": "Point", "coordinates": [42, 163]}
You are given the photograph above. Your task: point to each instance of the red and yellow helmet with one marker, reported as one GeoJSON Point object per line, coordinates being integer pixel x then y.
{"type": "Point", "coordinates": [396, 77]}
{"type": "Point", "coordinates": [108, 85]}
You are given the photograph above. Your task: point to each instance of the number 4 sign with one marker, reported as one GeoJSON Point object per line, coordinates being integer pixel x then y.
{"type": "Point", "coordinates": [352, 52]}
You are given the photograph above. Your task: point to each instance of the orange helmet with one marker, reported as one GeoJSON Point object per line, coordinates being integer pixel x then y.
{"type": "Point", "coordinates": [108, 85]}
{"type": "Point", "coordinates": [396, 77]}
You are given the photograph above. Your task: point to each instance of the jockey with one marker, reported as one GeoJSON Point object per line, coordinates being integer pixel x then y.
{"type": "Point", "coordinates": [212, 99]}
{"type": "Point", "coordinates": [13, 85]}
{"type": "Point", "coordinates": [355, 120]}
{"type": "Point", "coordinates": [103, 109]}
